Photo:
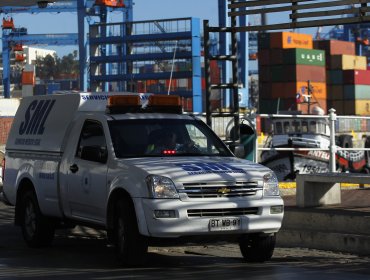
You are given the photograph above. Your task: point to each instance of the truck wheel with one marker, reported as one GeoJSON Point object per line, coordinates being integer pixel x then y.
{"type": "Point", "coordinates": [131, 247]}
{"type": "Point", "coordinates": [37, 230]}
{"type": "Point", "coordinates": [257, 248]}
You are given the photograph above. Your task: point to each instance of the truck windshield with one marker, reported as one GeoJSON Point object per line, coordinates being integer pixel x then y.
{"type": "Point", "coordinates": [164, 137]}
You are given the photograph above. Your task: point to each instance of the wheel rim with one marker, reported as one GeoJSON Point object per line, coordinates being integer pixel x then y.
{"type": "Point", "coordinates": [30, 219]}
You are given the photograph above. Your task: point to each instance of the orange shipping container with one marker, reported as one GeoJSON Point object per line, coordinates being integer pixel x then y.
{"type": "Point", "coordinates": [28, 78]}
{"type": "Point", "coordinates": [290, 90]}
{"type": "Point", "coordinates": [289, 40]}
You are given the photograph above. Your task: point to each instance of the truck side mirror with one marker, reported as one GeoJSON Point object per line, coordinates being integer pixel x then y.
{"type": "Point", "coordinates": [94, 153]}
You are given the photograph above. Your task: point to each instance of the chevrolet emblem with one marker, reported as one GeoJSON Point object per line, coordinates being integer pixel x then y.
{"type": "Point", "coordinates": [224, 190]}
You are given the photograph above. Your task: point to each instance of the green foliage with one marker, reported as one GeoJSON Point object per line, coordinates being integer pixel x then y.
{"type": "Point", "coordinates": [53, 67]}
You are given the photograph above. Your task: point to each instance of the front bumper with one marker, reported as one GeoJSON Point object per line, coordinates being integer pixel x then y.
{"type": "Point", "coordinates": [263, 221]}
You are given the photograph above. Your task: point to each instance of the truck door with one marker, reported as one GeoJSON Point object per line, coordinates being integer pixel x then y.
{"type": "Point", "coordinates": [87, 174]}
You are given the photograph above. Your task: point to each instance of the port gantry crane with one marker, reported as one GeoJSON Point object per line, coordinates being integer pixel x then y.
{"type": "Point", "coordinates": [85, 9]}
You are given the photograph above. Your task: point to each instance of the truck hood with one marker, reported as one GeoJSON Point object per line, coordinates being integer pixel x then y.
{"type": "Point", "coordinates": [198, 169]}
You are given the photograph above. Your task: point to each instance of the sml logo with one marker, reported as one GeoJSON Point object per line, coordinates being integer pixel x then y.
{"type": "Point", "coordinates": [209, 167]}
{"type": "Point", "coordinates": [35, 117]}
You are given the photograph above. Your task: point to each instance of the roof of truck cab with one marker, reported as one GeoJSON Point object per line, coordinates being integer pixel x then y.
{"type": "Point", "coordinates": [130, 116]}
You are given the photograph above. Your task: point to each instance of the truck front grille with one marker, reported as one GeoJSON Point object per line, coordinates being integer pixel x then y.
{"type": "Point", "coordinates": [222, 212]}
{"type": "Point", "coordinates": [221, 189]}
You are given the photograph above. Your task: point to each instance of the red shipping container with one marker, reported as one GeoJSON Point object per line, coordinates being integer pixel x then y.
{"type": "Point", "coordinates": [357, 77]}
{"type": "Point", "coordinates": [276, 56]}
{"type": "Point", "coordinates": [187, 104]}
{"type": "Point", "coordinates": [333, 47]}
{"type": "Point", "coordinates": [264, 57]}
{"type": "Point", "coordinates": [215, 72]}
{"type": "Point", "coordinates": [265, 90]}
{"type": "Point", "coordinates": [294, 73]}
{"type": "Point", "coordinates": [203, 83]}
{"type": "Point", "coordinates": [264, 74]}
{"type": "Point", "coordinates": [173, 84]}
{"type": "Point", "coordinates": [5, 125]}
{"type": "Point", "coordinates": [141, 86]}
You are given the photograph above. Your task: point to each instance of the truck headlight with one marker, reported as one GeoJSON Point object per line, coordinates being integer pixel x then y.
{"type": "Point", "coordinates": [270, 184]}
{"type": "Point", "coordinates": [161, 187]}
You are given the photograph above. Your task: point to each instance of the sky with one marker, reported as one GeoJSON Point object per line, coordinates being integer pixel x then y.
{"type": "Point", "coordinates": [47, 23]}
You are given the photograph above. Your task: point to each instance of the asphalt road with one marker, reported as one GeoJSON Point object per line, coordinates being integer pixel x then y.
{"type": "Point", "coordinates": [83, 254]}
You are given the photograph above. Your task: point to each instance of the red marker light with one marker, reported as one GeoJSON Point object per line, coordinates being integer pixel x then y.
{"type": "Point", "coordinates": [169, 152]}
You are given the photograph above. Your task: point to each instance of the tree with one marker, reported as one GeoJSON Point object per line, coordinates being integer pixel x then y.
{"type": "Point", "coordinates": [53, 67]}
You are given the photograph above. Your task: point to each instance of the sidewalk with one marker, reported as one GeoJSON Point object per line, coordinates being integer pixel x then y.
{"type": "Point", "coordinates": [340, 228]}
{"type": "Point", "coordinates": [352, 198]}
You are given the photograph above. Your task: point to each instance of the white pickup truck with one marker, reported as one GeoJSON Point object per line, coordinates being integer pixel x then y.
{"type": "Point", "coordinates": [140, 169]}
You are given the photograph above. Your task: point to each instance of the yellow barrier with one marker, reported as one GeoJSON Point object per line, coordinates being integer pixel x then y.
{"type": "Point", "coordinates": [292, 185]}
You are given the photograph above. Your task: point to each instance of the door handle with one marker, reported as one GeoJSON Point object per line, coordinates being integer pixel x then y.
{"type": "Point", "coordinates": [73, 168]}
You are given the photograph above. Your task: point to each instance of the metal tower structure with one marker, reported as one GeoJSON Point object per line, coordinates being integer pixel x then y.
{"type": "Point", "coordinates": [85, 9]}
{"type": "Point", "coordinates": [243, 51]}
{"type": "Point", "coordinates": [148, 56]}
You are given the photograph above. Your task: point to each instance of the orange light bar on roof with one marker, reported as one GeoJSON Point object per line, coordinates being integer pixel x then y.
{"type": "Point", "coordinates": [124, 100]}
{"type": "Point", "coordinates": [164, 100]}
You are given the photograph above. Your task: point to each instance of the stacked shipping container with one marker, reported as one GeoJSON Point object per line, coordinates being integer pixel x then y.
{"type": "Point", "coordinates": [348, 78]}
{"type": "Point", "coordinates": [287, 61]}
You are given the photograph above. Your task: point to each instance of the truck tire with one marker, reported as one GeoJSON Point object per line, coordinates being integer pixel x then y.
{"type": "Point", "coordinates": [257, 248]}
{"type": "Point", "coordinates": [37, 230]}
{"type": "Point", "coordinates": [130, 246]}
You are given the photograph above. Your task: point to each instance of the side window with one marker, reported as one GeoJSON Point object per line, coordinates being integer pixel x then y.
{"type": "Point", "coordinates": [312, 127]}
{"type": "Point", "coordinates": [296, 126]}
{"type": "Point", "coordinates": [287, 127]}
{"type": "Point", "coordinates": [198, 137]}
{"type": "Point", "coordinates": [278, 128]}
{"type": "Point", "coordinates": [92, 145]}
{"type": "Point", "coordinates": [304, 126]}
